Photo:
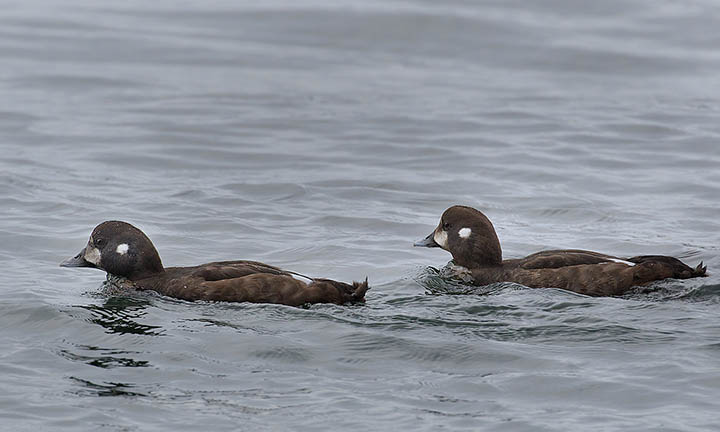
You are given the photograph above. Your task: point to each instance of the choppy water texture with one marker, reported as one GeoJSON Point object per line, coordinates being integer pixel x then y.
{"type": "Point", "coordinates": [325, 137]}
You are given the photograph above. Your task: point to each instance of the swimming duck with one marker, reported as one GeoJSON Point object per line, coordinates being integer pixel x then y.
{"type": "Point", "coordinates": [123, 250]}
{"type": "Point", "coordinates": [471, 239]}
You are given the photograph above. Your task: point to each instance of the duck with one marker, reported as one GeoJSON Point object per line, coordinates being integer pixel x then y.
{"type": "Point", "coordinates": [470, 237]}
{"type": "Point", "coordinates": [125, 252]}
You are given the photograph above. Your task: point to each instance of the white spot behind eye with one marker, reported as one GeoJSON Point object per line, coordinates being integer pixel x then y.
{"type": "Point", "coordinates": [122, 249]}
{"type": "Point", "coordinates": [464, 232]}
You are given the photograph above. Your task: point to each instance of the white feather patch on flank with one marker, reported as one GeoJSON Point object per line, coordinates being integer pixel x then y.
{"type": "Point", "coordinates": [441, 239]}
{"type": "Point", "coordinates": [122, 249]}
{"type": "Point", "coordinates": [301, 278]}
{"type": "Point", "coordinates": [464, 232]}
{"type": "Point", "coordinates": [92, 255]}
{"type": "Point", "coordinates": [622, 261]}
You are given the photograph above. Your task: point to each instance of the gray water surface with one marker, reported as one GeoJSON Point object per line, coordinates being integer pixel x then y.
{"type": "Point", "coordinates": [325, 137]}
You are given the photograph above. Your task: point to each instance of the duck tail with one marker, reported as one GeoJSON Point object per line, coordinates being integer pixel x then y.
{"type": "Point", "coordinates": [359, 290]}
{"type": "Point", "coordinates": [342, 292]}
{"type": "Point", "coordinates": [674, 266]}
{"type": "Point", "coordinates": [700, 270]}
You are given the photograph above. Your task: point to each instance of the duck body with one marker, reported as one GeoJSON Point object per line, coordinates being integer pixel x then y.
{"type": "Point", "coordinates": [123, 250]}
{"type": "Point", "coordinates": [249, 281]}
{"type": "Point", "coordinates": [584, 272]}
{"type": "Point", "coordinates": [470, 237]}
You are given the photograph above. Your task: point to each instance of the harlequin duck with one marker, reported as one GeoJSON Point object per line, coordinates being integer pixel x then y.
{"type": "Point", "coordinates": [123, 250]}
{"type": "Point", "coordinates": [470, 237]}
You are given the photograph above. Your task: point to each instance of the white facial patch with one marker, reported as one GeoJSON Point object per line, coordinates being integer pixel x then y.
{"type": "Point", "coordinates": [464, 232]}
{"type": "Point", "coordinates": [122, 249]}
{"type": "Point", "coordinates": [622, 261]}
{"type": "Point", "coordinates": [92, 255]}
{"type": "Point", "coordinates": [441, 239]}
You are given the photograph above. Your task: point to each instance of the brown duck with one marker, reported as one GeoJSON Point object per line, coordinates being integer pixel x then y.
{"type": "Point", "coordinates": [123, 250]}
{"type": "Point", "coordinates": [470, 237]}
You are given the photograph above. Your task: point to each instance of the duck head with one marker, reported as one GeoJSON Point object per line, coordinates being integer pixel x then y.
{"type": "Point", "coordinates": [468, 235]}
{"type": "Point", "coordinates": [120, 249]}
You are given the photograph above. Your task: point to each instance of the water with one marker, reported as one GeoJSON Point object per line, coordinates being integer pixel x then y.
{"type": "Point", "coordinates": [325, 137]}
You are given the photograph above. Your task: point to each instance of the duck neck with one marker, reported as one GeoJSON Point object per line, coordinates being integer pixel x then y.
{"type": "Point", "coordinates": [476, 263]}
{"type": "Point", "coordinates": [486, 253]}
{"type": "Point", "coordinates": [150, 265]}
{"type": "Point", "coordinates": [146, 274]}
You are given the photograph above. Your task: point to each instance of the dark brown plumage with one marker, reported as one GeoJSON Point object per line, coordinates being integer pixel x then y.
{"type": "Point", "coordinates": [123, 250]}
{"type": "Point", "coordinates": [470, 237]}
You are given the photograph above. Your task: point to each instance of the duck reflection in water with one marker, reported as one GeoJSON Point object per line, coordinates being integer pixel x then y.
{"type": "Point", "coordinates": [119, 313]}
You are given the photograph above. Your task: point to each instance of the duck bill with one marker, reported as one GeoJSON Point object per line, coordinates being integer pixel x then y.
{"type": "Point", "coordinates": [77, 261]}
{"type": "Point", "coordinates": [428, 241]}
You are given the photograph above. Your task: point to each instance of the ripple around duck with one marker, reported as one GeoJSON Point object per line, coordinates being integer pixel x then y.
{"type": "Point", "coordinates": [705, 293]}
{"type": "Point", "coordinates": [104, 389]}
{"type": "Point", "coordinates": [121, 315]}
{"type": "Point", "coordinates": [503, 312]}
{"type": "Point", "coordinates": [286, 354]}
{"type": "Point", "coordinates": [103, 358]}
{"type": "Point", "coordinates": [364, 345]}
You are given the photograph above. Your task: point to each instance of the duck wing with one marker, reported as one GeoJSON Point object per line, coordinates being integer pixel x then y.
{"type": "Point", "coordinates": [222, 270]}
{"type": "Point", "coordinates": [282, 289]}
{"type": "Point", "coordinates": [589, 273]}
{"type": "Point", "coordinates": [565, 258]}
{"type": "Point", "coordinates": [256, 282]}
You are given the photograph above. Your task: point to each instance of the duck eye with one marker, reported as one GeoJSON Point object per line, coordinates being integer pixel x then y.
{"type": "Point", "coordinates": [99, 242]}
{"type": "Point", "coordinates": [446, 225]}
